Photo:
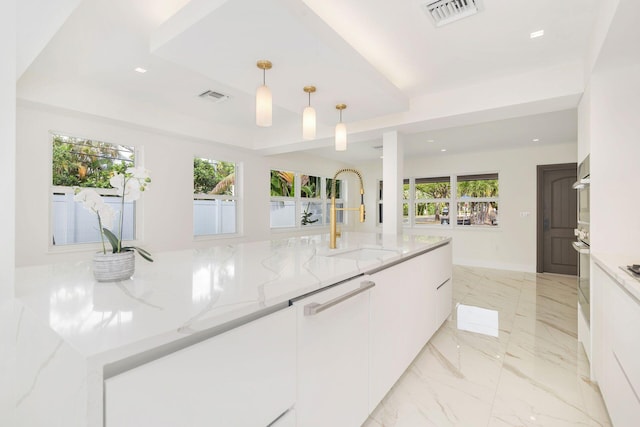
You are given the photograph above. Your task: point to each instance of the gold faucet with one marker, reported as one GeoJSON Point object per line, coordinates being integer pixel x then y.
{"type": "Point", "coordinates": [334, 232]}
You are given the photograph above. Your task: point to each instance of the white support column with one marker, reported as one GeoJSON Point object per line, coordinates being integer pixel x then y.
{"type": "Point", "coordinates": [392, 171]}
{"type": "Point", "coordinates": [7, 213]}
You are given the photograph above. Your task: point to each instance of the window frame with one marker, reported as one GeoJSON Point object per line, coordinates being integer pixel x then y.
{"type": "Point", "coordinates": [415, 200]}
{"type": "Point", "coordinates": [300, 202]}
{"type": "Point", "coordinates": [465, 199]}
{"type": "Point", "coordinates": [138, 205]}
{"type": "Point", "coordinates": [237, 197]}
{"type": "Point", "coordinates": [453, 201]}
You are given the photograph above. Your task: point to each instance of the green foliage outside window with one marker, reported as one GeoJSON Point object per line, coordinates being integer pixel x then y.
{"type": "Point", "coordinates": [213, 177]}
{"type": "Point", "coordinates": [329, 183]}
{"type": "Point", "coordinates": [478, 188]}
{"type": "Point", "coordinates": [78, 162]}
{"type": "Point", "coordinates": [433, 190]}
{"type": "Point", "coordinates": [310, 186]}
{"type": "Point", "coordinates": [282, 184]}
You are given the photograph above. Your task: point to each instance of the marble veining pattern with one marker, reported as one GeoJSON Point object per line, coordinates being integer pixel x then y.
{"type": "Point", "coordinates": [185, 292]}
{"type": "Point", "coordinates": [527, 370]}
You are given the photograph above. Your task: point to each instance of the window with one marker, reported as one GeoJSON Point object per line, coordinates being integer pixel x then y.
{"type": "Point", "coordinates": [406, 191]}
{"type": "Point", "coordinates": [301, 200]}
{"type": "Point", "coordinates": [215, 202]}
{"type": "Point", "coordinates": [311, 203]}
{"type": "Point", "coordinates": [85, 163]}
{"type": "Point", "coordinates": [431, 200]}
{"type": "Point", "coordinates": [283, 204]}
{"type": "Point", "coordinates": [477, 200]}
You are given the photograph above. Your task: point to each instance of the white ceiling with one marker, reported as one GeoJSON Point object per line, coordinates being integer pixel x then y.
{"type": "Point", "coordinates": [377, 56]}
{"type": "Point", "coordinates": [556, 127]}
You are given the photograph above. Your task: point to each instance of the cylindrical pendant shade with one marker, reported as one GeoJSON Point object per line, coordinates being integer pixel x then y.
{"type": "Point", "coordinates": [263, 106]}
{"type": "Point", "coordinates": [309, 123]}
{"type": "Point", "coordinates": [341, 137]}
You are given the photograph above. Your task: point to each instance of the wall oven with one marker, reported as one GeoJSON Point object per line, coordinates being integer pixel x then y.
{"type": "Point", "coordinates": [582, 244]}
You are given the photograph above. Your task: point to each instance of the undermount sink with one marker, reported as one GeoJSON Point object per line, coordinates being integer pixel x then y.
{"type": "Point", "coordinates": [364, 254]}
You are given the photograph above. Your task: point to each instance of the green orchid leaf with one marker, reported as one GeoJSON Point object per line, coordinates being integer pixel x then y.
{"type": "Point", "coordinates": [113, 240]}
{"type": "Point", "coordinates": [144, 254]}
{"type": "Point", "coordinates": [142, 251]}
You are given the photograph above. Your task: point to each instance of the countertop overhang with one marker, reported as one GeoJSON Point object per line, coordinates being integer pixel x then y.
{"type": "Point", "coordinates": [613, 265]}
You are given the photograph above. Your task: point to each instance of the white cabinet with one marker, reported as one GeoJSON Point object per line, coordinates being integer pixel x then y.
{"type": "Point", "coordinates": [406, 310]}
{"type": "Point", "coordinates": [444, 299]}
{"type": "Point", "coordinates": [333, 353]}
{"type": "Point", "coordinates": [438, 269]}
{"type": "Point", "coordinates": [615, 348]}
{"type": "Point", "coordinates": [243, 377]}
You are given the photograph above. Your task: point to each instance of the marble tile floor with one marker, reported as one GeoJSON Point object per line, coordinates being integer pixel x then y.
{"type": "Point", "coordinates": [507, 356]}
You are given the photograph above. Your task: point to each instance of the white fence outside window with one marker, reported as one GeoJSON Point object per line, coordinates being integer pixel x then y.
{"type": "Point", "coordinates": [214, 216]}
{"type": "Point", "coordinates": [72, 223]}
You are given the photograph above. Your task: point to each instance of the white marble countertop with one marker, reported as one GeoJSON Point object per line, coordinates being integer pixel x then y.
{"type": "Point", "coordinates": [185, 292]}
{"type": "Point", "coordinates": [611, 264]}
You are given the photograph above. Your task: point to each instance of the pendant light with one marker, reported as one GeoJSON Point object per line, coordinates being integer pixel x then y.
{"type": "Point", "coordinates": [263, 98]}
{"type": "Point", "coordinates": [341, 131]}
{"type": "Point", "coordinates": [309, 117]}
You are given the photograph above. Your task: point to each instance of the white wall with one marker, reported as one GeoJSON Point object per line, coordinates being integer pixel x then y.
{"type": "Point", "coordinates": [7, 212]}
{"type": "Point", "coordinates": [169, 159]}
{"type": "Point", "coordinates": [584, 125]}
{"type": "Point", "coordinates": [614, 125]}
{"type": "Point", "coordinates": [510, 246]}
{"type": "Point", "coordinates": [615, 161]}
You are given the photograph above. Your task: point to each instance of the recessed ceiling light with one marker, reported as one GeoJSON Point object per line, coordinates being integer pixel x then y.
{"type": "Point", "coordinates": [443, 149]}
{"type": "Point", "coordinates": [536, 34]}
{"type": "Point", "coordinates": [431, 140]}
{"type": "Point", "coordinates": [535, 139]}
{"type": "Point", "coordinates": [140, 70]}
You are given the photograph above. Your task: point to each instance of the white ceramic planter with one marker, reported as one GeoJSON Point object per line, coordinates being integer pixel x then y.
{"type": "Point", "coordinates": [111, 267]}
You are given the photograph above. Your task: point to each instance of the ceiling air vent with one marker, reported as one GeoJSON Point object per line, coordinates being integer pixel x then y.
{"type": "Point", "coordinates": [446, 11]}
{"type": "Point", "coordinates": [214, 96]}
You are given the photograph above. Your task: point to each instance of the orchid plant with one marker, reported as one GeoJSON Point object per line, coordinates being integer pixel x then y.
{"type": "Point", "coordinates": [129, 186]}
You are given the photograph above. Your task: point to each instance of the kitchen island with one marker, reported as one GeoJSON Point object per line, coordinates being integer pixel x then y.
{"type": "Point", "coordinates": [74, 335]}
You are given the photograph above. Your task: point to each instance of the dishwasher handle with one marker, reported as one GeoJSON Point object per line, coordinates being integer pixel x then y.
{"type": "Point", "coordinates": [315, 308]}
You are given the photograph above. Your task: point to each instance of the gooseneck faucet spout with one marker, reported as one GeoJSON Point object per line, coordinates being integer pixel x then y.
{"type": "Point", "coordinates": [334, 233]}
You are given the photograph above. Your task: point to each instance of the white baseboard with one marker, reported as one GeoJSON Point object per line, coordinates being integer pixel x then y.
{"type": "Point", "coordinates": [495, 265]}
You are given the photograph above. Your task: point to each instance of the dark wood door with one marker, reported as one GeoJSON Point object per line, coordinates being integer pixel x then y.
{"type": "Point", "coordinates": [557, 218]}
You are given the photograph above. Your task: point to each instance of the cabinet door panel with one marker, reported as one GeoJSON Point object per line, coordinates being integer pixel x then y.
{"type": "Point", "coordinates": [626, 345]}
{"type": "Point", "coordinates": [438, 265]}
{"type": "Point", "coordinates": [622, 403]}
{"type": "Point", "coordinates": [402, 320]}
{"type": "Point", "coordinates": [244, 377]}
{"type": "Point", "coordinates": [405, 314]}
{"type": "Point", "coordinates": [444, 300]}
{"type": "Point", "coordinates": [333, 353]}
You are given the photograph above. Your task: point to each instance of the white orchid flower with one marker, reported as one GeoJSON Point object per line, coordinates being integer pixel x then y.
{"type": "Point", "coordinates": [139, 173]}
{"type": "Point", "coordinates": [127, 187]}
{"type": "Point", "coordinates": [117, 181]}
{"type": "Point", "coordinates": [90, 199]}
